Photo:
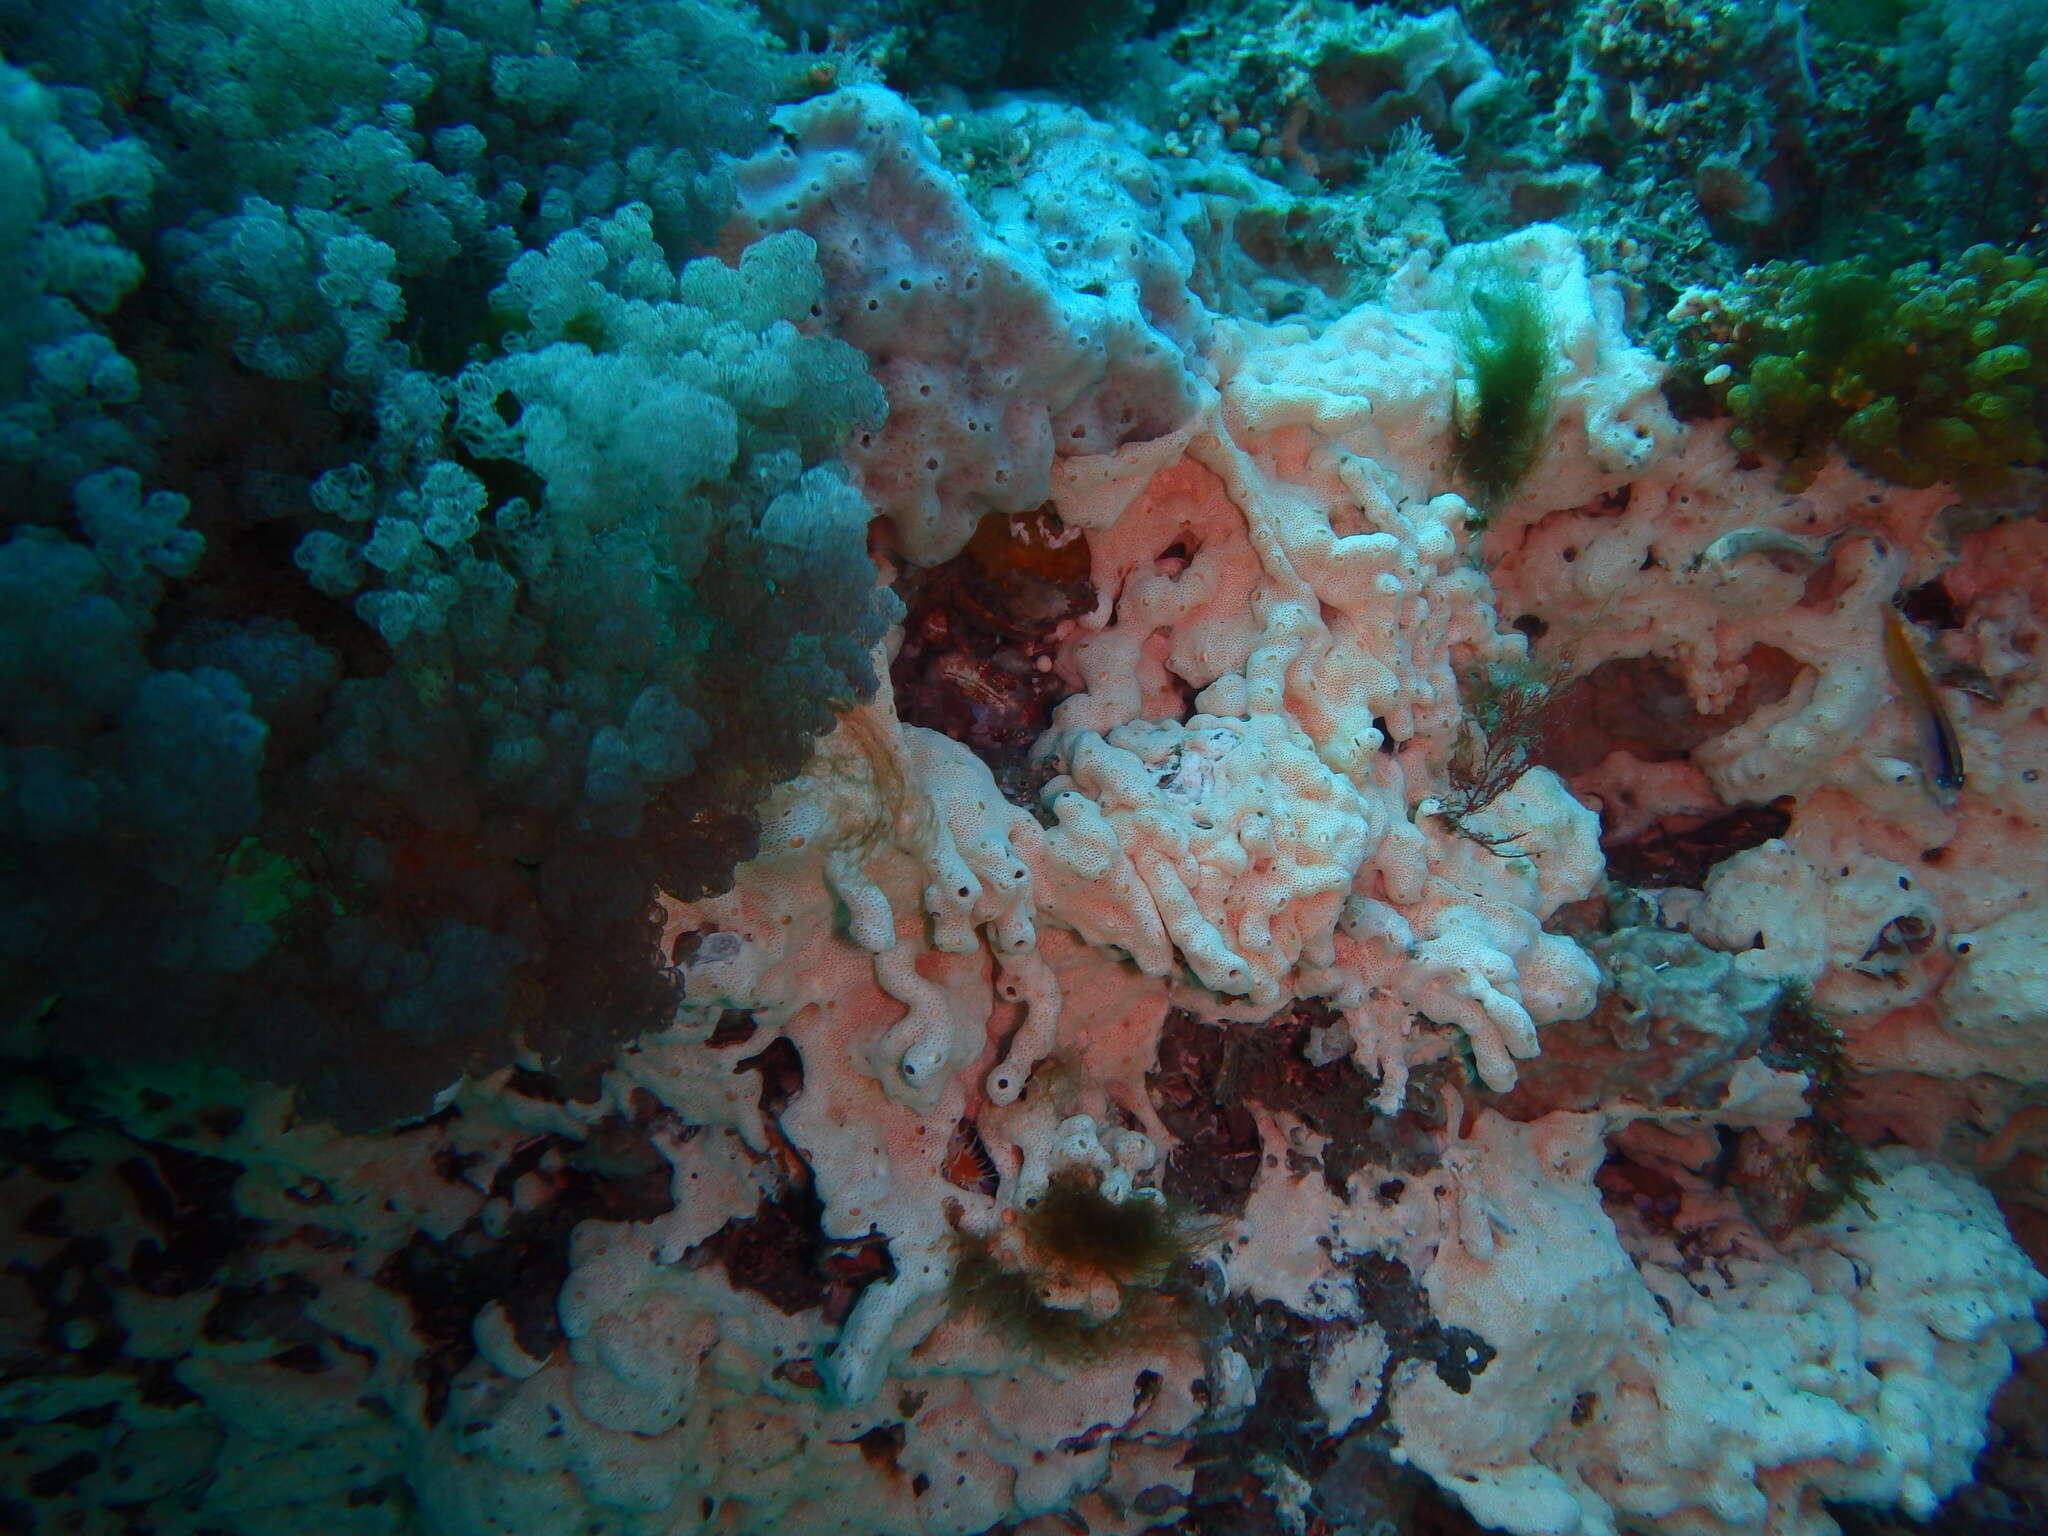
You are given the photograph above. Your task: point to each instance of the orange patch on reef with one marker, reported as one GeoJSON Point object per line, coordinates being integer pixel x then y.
{"type": "Point", "coordinates": [1033, 543]}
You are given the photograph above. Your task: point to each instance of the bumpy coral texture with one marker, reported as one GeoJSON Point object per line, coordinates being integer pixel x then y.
{"type": "Point", "coordinates": [577, 580]}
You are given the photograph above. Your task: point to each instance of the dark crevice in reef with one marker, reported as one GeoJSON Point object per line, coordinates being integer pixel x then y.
{"type": "Point", "coordinates": [177, 1232]}
{"type": "Point", "coordinates": [1352, 1480]}
{"type": "Point", "coordinates": [1208, 1077]}
{"type": "Point", "coordinates": [978, 661]}
{"type": "Point", "coordinates": [188, 1198]}
{"type": "Point", "coordinates": [615, 1174]}
{"type": "Point", "coordinates": [1230, 1495]}
{"type": "Point", "coordinates": [781, 1252]}
{"type": "Point", "coordinates": [1394, 1299]}
{"type": "Point", "coordinates": [1640, 705]}
{"type": "Point", "coordinates": [782, 1255]}
{"type": "Point", "coordinates": [1683, 855]}
{"type": "Point", "coordinates": [1931, 605]}
{"type": "Point", "coordinates": [1209, 1080]}
{"type": "Point", "coordinates": [782, 1073]}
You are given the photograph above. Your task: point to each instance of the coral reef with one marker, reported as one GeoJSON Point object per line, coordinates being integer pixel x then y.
{"type": "Point", "coordinates": [1176, 769]}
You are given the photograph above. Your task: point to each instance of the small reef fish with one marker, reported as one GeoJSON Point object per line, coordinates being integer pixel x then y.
{"type": "Point", "coordinates": [1730, 547]}
{"type": "Point", "coordinates": [1942, 750]}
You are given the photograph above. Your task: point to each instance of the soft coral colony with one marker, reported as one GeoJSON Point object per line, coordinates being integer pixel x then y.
{"type": "Point", "coordinates": [1156, 768]}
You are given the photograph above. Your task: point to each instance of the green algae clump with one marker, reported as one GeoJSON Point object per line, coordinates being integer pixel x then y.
{"type": "Point", "coordinates": [1504, 389]}
{"type": "Point", "coordinates": [1919, 375]}
{"type": "Point", "coordinates": [1079, 1274]}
